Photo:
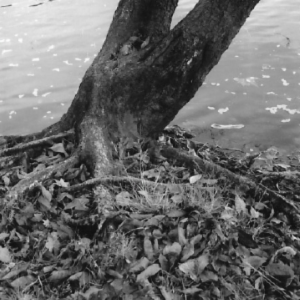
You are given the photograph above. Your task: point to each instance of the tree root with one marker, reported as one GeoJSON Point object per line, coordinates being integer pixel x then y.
{"type": "Point", "coordinates": [8, 162]}
{"type": "Point", "coordinates": [27, 183]}
{"type": "Point", "coordinates": [35, 143]}
{"type": "Point", "coordinates": [204, 166]}
{"type": "Point", "coordinates": [117, 179]}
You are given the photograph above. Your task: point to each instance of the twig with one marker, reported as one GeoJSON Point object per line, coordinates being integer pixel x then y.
{"type": "Point", "coordinates": [34, 144]}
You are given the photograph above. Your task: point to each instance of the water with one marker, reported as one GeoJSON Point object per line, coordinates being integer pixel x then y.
{"type": "Point", "coordinates": [46, 47]}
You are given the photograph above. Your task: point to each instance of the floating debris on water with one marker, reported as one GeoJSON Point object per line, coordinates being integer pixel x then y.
{"type": "Point", "coordinates": [230, 126]}
{"type": "Point", "coordinates": [222, 110]}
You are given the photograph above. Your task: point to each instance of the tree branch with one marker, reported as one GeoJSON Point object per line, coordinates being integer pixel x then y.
{"type": "Point", "coordinates": [148, 18]}
{"type": "Point", "coordinates": [188, 54]}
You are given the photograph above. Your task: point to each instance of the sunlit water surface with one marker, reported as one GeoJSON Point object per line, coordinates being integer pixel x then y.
{"type": "Point", "coordinates": [251, 98]}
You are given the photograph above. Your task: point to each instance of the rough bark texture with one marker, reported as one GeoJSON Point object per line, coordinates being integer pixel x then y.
{"type": "Point", "coordinates": [145, 72]}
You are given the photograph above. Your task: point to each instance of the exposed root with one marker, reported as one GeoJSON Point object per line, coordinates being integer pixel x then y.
{"type": "Point", "coordinates": [35, 143]}
{"type": "Point", "coordinates": [8, 162]}
{"type": "Point", "coordinates": [25, 184]}
{"type": "Point", "coordinates": [116, 179]}
{"type": "Point", "coordinates": [204, 166]}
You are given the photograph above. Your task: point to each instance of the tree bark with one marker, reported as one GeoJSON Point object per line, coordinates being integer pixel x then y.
{"type": "Point", "coordinates": [145, 73]}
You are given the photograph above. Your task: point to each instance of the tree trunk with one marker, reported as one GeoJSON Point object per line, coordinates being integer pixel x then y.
{"type": "Point", "coordinates": [145, 73]}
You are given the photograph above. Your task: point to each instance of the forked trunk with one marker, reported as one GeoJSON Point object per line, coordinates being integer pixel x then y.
{"type": "Point", "coordinates": [145, 72]}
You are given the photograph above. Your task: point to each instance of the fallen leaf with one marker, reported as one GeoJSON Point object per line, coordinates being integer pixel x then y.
{"type": "Point", "coordinates": [44, 202]}
{"type": "Point", "coordinates": [15, 272]}
{"type": "Point", "coordinates": [91, 291]}
{"type": "Point", "coordinates": [254, 262]}
{"type": "Point", "coordinates": [208, 276]}
{"type": "Point", "coordinates": [124, 198]}
{"type": "Point", "coordinates": [195, 178]}
{"type": "Point", "coordinates": [189, 268]}
{"type": "Point", "coordinates": [287, 250]}
{"type": "Point", "coordinates": [202, 261]}
{"type": "Point", "coordinates": [59, 148]}
{"type": "Point", "coordinates": [174, 249]}
{"type": "Point", "coordinates": [191, 291]}
{"type": "Point", "coordinates": [3, 236]}
{"type": "Point", "coordinates": [280, 270]}
{"type": "Point", "coordinates": [176, 213]}
{"type": "Point", "coordinates": [148, 248]}
{"type": "Point", "coordinates": [59, 275]}
{"type": "Point", "coordinates": [78, 204]}
{"type": "Point", "coordinates": [21, 282]}
{"type": "Point", "coordinates": [194, 267]}
{"type": "Point", "coordinates": [139, 265]}
{"type": "Point", "coordinates": [52, 242]}
{"type": "Point", "coordinates": [62, 183]}
{"type": "Point", "coordinates": [145, 42]}
{"type": "Point", "coordinates": [75, 277]}
{"type": "Point", "coordinates": [187, 252]}
{"type": "Point", "coordinates": [164, 264]}
{"type": "Point", "coordinates": [117, 285]}
{"type": "Point", "coordinates": [46, 193]}
{"type": "Point", "coordinates": [181, 236]}
{"type": "Point", "coordinates": [167, 295]}
{"type": "Point", "coordinates": [150, 271]}
{"type": "Point", "coordinates": [240, 204]}
{"type": "Point", "coordinates": [4, 255]}
{"type": "Point", "coordinates": [254, 214]}
{"type": "Point", "coordinates": [6, 180]}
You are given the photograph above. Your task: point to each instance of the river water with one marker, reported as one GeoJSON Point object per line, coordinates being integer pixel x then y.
{"type": "Point", "coordinates": [250, 99]}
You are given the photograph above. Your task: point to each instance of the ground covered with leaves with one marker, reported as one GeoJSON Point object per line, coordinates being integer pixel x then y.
{"type": "Point", "coordinates": [169, 231]}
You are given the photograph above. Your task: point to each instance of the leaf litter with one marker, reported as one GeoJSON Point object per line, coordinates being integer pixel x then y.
{"type": "Point", "coordinates": [170, 233]}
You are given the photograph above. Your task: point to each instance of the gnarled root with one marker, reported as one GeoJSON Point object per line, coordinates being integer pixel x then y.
{"type": "Point", "coordinates": [203, 166]}
{"type": "Point", "coordinates": [20, 162]}
{"type": "Point", "coordinates": [35, 143]}
{"type": "Point", "coordinates": [25, 184]}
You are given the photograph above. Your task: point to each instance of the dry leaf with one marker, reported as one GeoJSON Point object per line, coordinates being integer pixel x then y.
{"type": "Point", "coordinates": [194, 267]}
{"type": "Point", "coordinates": [15, 272]}
{"type": "Point", "coordinates": [150, 271]}
{"type": "Point", "coordinates": [59, 148]}
{"type": "Point", "coordinates": [189, 268]}
{"type": "Point", "coordinates": [4, 255]}
{"type": "Point", "coordinates": [78, 204]}
{"type": "Point", "coordinates": [181, 236]}
{"type": "Point", "coordinates": [174, 249]}
{"type": "Point", "coordinates": [59, 275]}
{"type": "Point", "coordinates": [167, 295]}
{"type": "Point", "coordinates": [46, 193]}
{"type": "Point", "coordinates": [75, 276]}
{"type": "Point", "coordinates": [44, 202]}
{"type": "Point", "coordinates": [195, 178]}
{"type": "Point", "coordinates": [280, 270]}
{"type": "Point", "coordinates": [252, 262]}
{"type": "Point", "coordinates": [3, 236]}
{"type": "Point", "coordinates": [254, 214]}
{"type": "Point", "coordinates": [124, 199]}
{"type": "Point", "coordinates": [176, 213]}
{"type": "Point", "coordinates": [148, 248]}
{"type": "Point", "coordinates": [21, 282]}
{"type": "Point", "coordinates": [164, 264]}
{"type": "Point", "coordinates": [187, 252]}
{"type": "Point", "coordinates": [208, 276]}
{"type": "Point", "coordinates": [240, 204]}
{"type": "Point", "coordinates": [191, 291]}
{"type": "Point", "coordinates": [139, 265]}
{"type": "Point", "coordinates": [91, 292]}
{"type": "Point", "coordinates": [52, 242]}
